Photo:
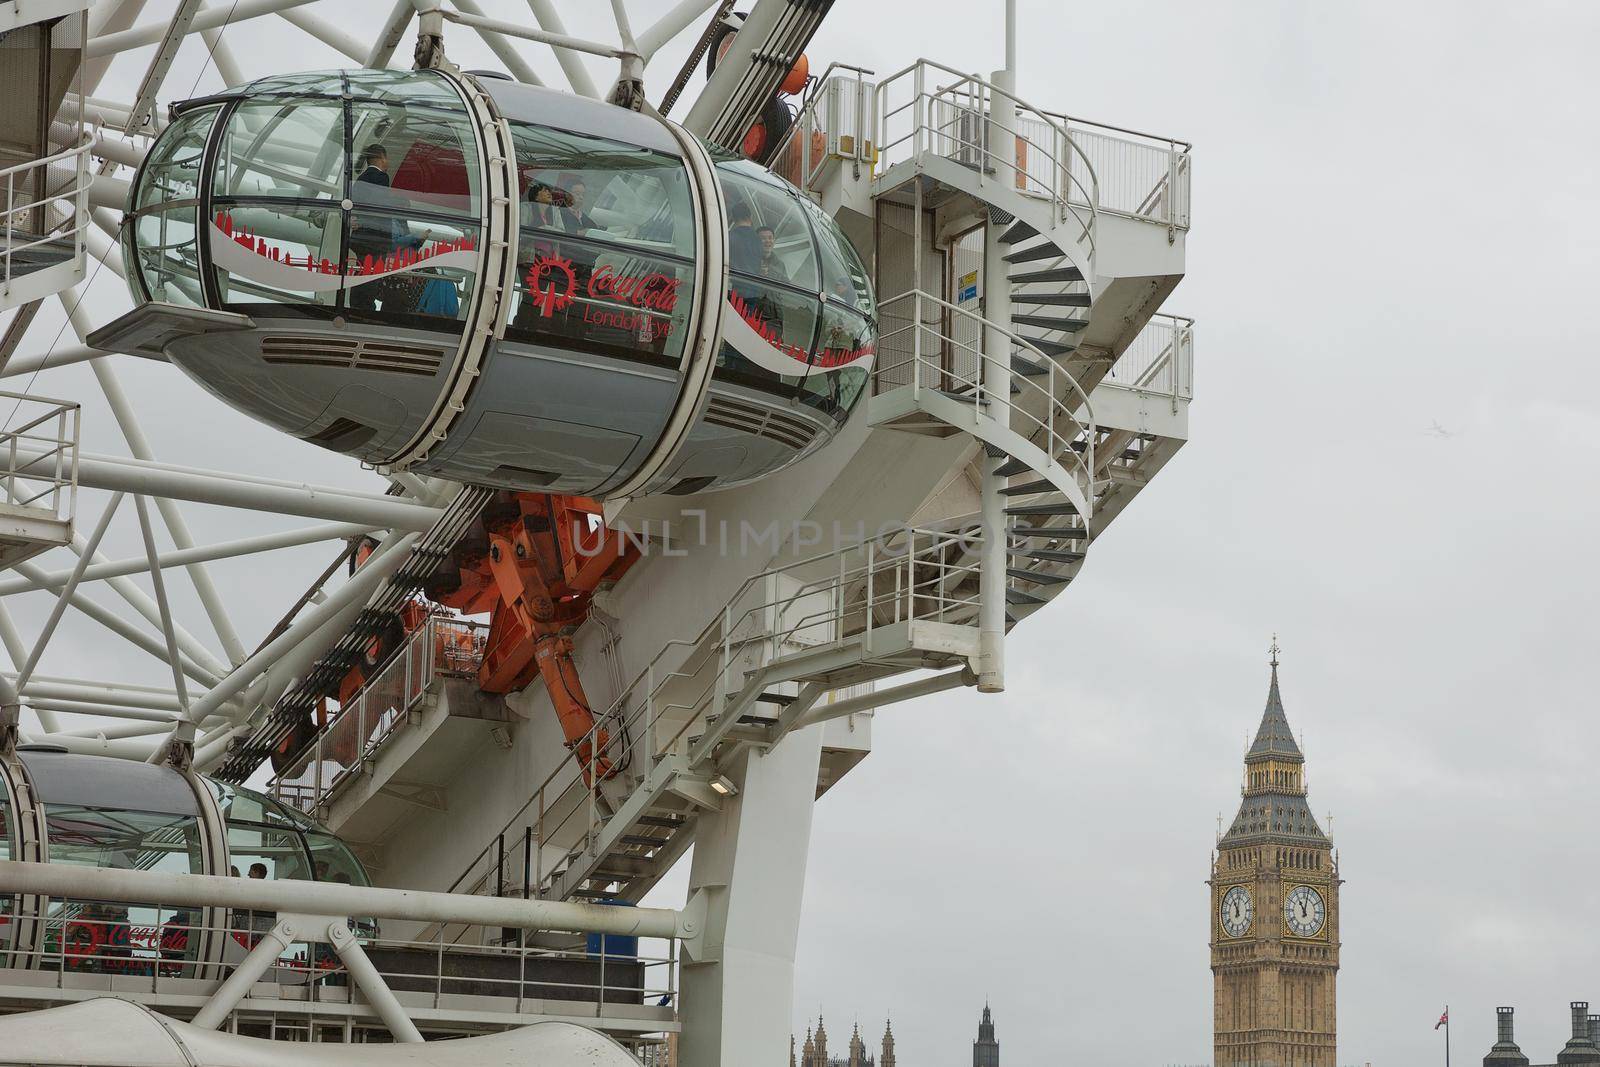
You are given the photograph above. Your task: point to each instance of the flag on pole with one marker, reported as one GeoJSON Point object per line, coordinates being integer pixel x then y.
{"type": "Point", "coordinates": [1444, 1020]}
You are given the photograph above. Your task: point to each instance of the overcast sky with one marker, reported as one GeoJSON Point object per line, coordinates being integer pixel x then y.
{"type": "Point", "coordinates": [1393, 464]}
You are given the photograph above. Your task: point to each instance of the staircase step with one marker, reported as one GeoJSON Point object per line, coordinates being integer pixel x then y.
{"type": "Point", "coordinates": [1043, 485]}
{"type": "Point", "coordinates": [1053, 274]}
{"type": "Point", "coordinates": [1018, 597]}
{"type": "Point", "coordinates": [1127, 453]}
{"type": "Point", "coordinates": [662, 822]}
{"type": "Point", "coordinates": [1059, 508]}
{"type": "Point", "coordinates": [1019, 231]}
{"type": "Point", "coordinates": [777, 698]}
{"type": "Point", "coordinates": [1059, 533]}
{"type": "Point", "coordinates": [1027, 367]}
{"type": "Point", "coordinates": [1065, 300]}
{"type": "Point", "coordinates": [1011, 467]}
{"type": "Point", "coordinates": [1064, 323]}
{"type": "Point", "coordinates": [1034, 253]}
{"type": "Point", "coordinates": [1051, 348]}
{"type": "Point", "coordinates": [642, 841]}
{"type": "Point", "coordinates": [1037, 577]}
{"type": "Point", "coordinates": [1051, 554]}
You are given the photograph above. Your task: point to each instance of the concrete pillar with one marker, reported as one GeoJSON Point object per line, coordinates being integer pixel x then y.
{"type": "Point", "coordinates": [750, 858]}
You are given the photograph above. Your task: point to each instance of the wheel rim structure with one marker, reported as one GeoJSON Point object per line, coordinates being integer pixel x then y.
{"type": "Point", "coordinates": [131, 705]}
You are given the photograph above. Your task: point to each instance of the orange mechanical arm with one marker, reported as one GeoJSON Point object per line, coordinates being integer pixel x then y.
{"type": "Point", "coordinates": [546, 561]}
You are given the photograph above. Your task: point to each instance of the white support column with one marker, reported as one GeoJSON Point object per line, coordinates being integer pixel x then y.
{"type": "Point", "coordinates": [995, 373]}
{"type": "Point", "coordinates": [354, 592]}
{"type": "Point", "coordinates": [331, 36]}
{"type": "Point", "coordinates": [244, 546]}
{"type": "Point", "coordinates": [502, 47]}
{"type": "Point", "coordinates": [106, 45]}
{"type": "Point", "coordinates": [124, 629]}
{"type": "Point", "coordinates": [164, 609]}
{"type": "Point", "coordinates": [372, 985]}
{"type": "Point", "coordinates": [59, 608]}
{"type": "Point", "coordinates": [544, 13]}
{"type": "Point", "coordinates": [750, 861]}
{"type": "Point", "coordinates": [171, 517]}
{"type": "Point", "coordinates": [272, 945]}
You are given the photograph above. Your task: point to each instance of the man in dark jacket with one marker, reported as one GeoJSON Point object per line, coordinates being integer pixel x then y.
{"type": "Point", "coordinates": [378, 236]}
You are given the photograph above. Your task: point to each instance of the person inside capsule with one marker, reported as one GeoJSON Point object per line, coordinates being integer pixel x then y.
{"type": "Point", "coordinates": [376, 236]}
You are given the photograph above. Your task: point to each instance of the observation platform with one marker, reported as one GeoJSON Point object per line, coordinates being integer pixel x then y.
{"type": "Point", "coordinates": [38, 475]}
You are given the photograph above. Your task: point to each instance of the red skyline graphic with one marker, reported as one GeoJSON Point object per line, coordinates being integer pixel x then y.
{"type": "Point", "coordinates": [245, 238]}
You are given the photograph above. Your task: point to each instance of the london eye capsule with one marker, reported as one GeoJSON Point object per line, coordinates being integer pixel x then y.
{"type": "Point", "coordinates": [495, 283]}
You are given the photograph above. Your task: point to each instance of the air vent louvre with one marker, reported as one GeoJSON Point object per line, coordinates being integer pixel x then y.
{"type": "Point", "coordinates": [351, 353]}
{"type": "Point", "coordinates": [782, 427]}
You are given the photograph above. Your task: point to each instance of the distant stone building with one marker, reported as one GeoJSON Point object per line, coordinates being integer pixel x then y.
{"type": "Point", "coordinates": [814, 1053]}
{"type": "Point", "coordinates": [986, 1050]}
{"type": "Point", "coordinates": [1274, 913]}
{"type": "Point", "coordinates": [1581, 1050]}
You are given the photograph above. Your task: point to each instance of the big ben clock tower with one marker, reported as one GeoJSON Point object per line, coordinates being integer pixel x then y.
{"type": "Point", "coordinates": [1275, 913]}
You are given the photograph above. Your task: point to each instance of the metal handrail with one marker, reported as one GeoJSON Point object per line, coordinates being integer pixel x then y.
{"type": "Point", "coordinates": [376, 711]}
{"type": "Point", "coordinates": [43, 461]}
{"type": "Point", "coordinates": [1068, 429]}
{"type": "Point", "coordinates": [77, 194]}
{"type": "Point", "coordinates": [1162, 350]}
{"type": "Point", "coordinates": [155, 953]}
{"type": "Point", "coordinates": [979, 93]}
{"type": "Point", "coordinates": [885, 582]}
{"type": "Point", "coordinates": [865, 145]}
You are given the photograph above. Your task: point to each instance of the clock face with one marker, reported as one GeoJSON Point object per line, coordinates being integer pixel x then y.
{"type": "Point", "coordinates": [1303, 911]}
{"type": "Point", "coordinates": [1238, 911]}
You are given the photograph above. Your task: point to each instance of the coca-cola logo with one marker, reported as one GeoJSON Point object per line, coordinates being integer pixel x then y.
{"type": "Point", "coordinates": [655, 291]}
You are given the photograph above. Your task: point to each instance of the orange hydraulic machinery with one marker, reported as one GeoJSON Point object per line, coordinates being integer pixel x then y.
{"type": "Point", "coordinates": [534, 561]}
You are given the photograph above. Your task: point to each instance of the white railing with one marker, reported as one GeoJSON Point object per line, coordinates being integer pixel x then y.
{"type": "Point", "coordinates": [835, 123]}
{"type": "Point", "coordinates": [1160, 360]}
{"type": "Point", "coordinates": [1141, 175]}
{"type": "Point", "coordinates": [154, 950]}
{"type": "Point", "coordinates": [916, 574]}
{"type": "Point", "coordinates": [1037, 156]}
{"type": "Point", "coordinates": [34, 191]}
{"type": "Point", "coordinates": [1050, 410]}
{"type": "Point", "coordinates": [441, 647]}
{"type": "Point", "coordinates": [41, 455]}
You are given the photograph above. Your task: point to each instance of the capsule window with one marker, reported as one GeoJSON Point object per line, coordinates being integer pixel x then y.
{"type": "Point", "coordinates": [415, 161]}
{"type": "Point", "coordinates": [605, 247]}
{"type": "Point", "coordinates": [291, 149]}
{"type": "Point", "coordinates": [115, 938]}
{"type": "Point", "coordinates": [266, 853]}
{"type": "Point", "coordinates": [332, 860]}
{"type": "Point", "coordinates": [603, 191]}
{"type": "Point", "coordinates": [159, 238]}
{"type": "Point", "coordinates": [844, 277]}
{"type": "Point", "coordinates": [767, 234]}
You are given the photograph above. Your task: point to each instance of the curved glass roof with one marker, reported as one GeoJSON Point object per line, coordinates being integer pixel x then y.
{"type": "Point", "coordinates": [105, 782]}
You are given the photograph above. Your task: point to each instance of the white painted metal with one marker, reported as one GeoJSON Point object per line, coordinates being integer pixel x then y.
{"type": "Point", "coordinates": [107, 1032]}
{"type": "Point", "coordinates": [791, 634]}
{"type": "Point", "coordinates": [335, 900]}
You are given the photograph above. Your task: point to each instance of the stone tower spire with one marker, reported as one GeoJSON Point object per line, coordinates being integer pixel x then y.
{"type": "Point", "coordinates": [887, 1059]}
{"type": "Point", "coordinates": [986, 1050]}
{"type": "Point", "coordinates": [858, 1048]}
{"type": "Point", "coordinates": [1275, 911]}
{"type": "Point", "coordinates": [808, 1051]}
{"type": "Point", "coordinates": [821, 1058]}
{"type": "Point", "coordinates": [1505, 1052]}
